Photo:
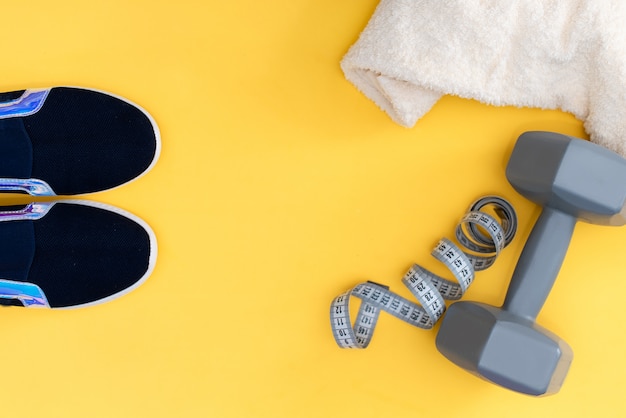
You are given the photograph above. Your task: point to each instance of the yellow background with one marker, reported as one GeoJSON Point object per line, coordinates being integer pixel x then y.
{"type": "Point", "coordinates": [279, 186]}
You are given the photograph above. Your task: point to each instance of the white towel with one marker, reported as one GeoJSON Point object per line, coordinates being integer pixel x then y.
{"type": "Point", "coordinates": [551, 54]}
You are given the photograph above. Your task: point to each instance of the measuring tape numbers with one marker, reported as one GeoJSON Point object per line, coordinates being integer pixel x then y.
{"type": "Point", "coordinates": [480, 233]}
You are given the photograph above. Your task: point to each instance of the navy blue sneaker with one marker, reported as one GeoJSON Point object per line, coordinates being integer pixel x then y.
{"type": "Point", "coordinates": [71, 253]}
{"type": "Point", "coordinates": [67, 141]}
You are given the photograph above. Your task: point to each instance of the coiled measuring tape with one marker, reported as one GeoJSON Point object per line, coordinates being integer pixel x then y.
{"type": "Point", "coordinates": [483, 235]}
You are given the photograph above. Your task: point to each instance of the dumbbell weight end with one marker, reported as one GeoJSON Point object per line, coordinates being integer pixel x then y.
{"type": "Point", "coordinates": [497, 343]}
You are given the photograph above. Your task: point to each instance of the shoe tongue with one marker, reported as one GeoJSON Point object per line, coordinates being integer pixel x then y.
{"type": "Point", "coordinates": [16, 152]}
{"type": "Point", "coordinates": [11, 95]}
{"type": "Point", "coordinates": [17, 249]}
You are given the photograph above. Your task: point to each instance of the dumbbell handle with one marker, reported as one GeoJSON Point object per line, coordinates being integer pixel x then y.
{"type": "Point", "coordinates": [539, 263]}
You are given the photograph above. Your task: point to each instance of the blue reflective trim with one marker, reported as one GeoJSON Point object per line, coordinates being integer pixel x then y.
{"type": "Point", "coordinates": [32, 211]}
{"type": "Point", "coordinates": [29, 294]}
{"type": "Point", "coordinates": [29, 103]}
{"type": "Point", "coordinates": [33, 187]}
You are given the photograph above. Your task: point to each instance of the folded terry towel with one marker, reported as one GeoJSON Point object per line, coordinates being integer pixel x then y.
{"type": "Point", "coordinates": [552, 54]}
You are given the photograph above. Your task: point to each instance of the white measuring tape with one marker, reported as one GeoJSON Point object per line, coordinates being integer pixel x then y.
{"type": "Point", "coordinates": [479, 232]}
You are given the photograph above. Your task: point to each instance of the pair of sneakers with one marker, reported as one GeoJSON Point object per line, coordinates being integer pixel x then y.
{"type": "Point", "coordinates": [67, 141]}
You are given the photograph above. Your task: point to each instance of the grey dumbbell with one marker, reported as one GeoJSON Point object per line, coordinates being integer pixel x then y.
{"type": "Point", "coordinates": [573, 180]}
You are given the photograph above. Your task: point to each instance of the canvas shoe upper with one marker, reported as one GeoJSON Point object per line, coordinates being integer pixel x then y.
{"type": "Point", "coordinates": [68, 140]}
{"type": "Point", "coordinates": [71, 253]}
